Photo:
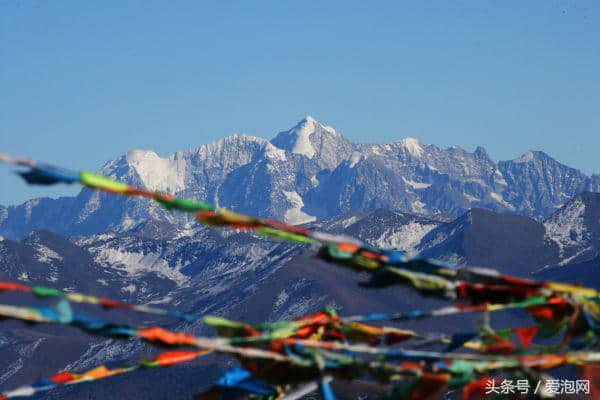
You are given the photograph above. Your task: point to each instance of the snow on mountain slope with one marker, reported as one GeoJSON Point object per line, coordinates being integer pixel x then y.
{"type": "Point", "coordinates": [309, 171]}
{"type": "Point", "coordinates": [295, 215]}
{"type": "Point", "coordinates": [416, 185]}
{"type": "Point", "coordinates": [166, 175]}
{"type": "Point", "coordinates": [136, 264]}
{"type": "Point", "coordinates": [301, 138]}
{"type": "Point", "coordinates": [315, 141]}
{"type": "Point", "coordinates": [537, 184]}
{"type": "Point", "coordinates": [405, 238]}
{"type": "Point", "coordinates": [382, 228]}
{"type": "Point", "coordinates": [567, 228]}
{"type": "Point", "coordinates": [44, 258]}
{"type": "Point", "coordinates": [412, 146]}
{"type": "Point", "coordinates": [575, 228]}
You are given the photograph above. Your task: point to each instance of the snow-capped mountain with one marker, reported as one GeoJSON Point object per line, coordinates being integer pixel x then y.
{"type": "Point", "coordinates": [575, 228]}
{"type": "Point", "coordinates": [539, 185]}
{"type": "Point", "coordinates": [310, 172]}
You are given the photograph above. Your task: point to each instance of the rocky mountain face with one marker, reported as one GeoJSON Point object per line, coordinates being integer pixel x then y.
{"type": "Point", "coordinates": [44, 258]}
{"type": "Point", "coordinates": [310, 172]}
{"type": "Point", "coordinates": [575, 228]}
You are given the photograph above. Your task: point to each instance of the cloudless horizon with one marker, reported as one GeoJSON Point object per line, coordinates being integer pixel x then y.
{"type": "Point", "coordinates": [84, 82]}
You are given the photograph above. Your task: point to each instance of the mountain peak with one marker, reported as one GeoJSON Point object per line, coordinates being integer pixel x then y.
{"type": "Point", "coordinates": [302, 132]}
{"type": "Point", "coordinates": [412, 145]}
{"type": "Point", "coordinates": [532, 155]}
{"type": "Point", "coordinates": [309, 119]}
{"type": "Point", "coordinates": [306, 138]}
{"type": "Point", "coordinates": [525, 157]}
{"type": "Point", "coordinates": [297, 140]}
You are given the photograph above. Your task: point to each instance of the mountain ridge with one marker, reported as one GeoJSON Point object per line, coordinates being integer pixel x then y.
{"type": "Point", "coordinates": [310, 172]}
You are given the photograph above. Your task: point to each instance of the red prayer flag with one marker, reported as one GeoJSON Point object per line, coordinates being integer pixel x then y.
{"type": "Point", "coordinates": [62, 377]}
{"type": "Point", "coordinates": [476, 389]}
{"type": "Point", "coordinates": [504, 347]}
{"type": "Point", "coordinates": [13, 287]}
{"type": "Point", "coordinates": [526, 335]}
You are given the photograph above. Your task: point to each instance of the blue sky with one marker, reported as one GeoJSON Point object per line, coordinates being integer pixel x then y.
{"type": "Point", "coordinates": [83, 82]}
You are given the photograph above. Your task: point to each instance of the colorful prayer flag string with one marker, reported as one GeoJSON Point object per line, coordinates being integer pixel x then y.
{"type": "Point", "coordinates": [295, 349]}
{"type": "Point", "coordinates": [70, 378]}
{"type": "Point", "coordinates": [48, 292]}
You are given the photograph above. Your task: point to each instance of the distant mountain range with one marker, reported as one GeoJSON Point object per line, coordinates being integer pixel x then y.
{"type": "Point", "coordinates": [310, 172]}
{"type": "Point", "coordinates": [531, 217]}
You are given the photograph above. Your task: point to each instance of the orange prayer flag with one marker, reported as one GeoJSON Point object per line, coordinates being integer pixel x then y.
{"type": "Point", "coordinates": [159, 334]}
{"type": "Point", "coordinates": [175, 357]}
{"type": "Point", "coordinates": [349, 247]}
{"type": "Point", "coordinates": [98, 372]}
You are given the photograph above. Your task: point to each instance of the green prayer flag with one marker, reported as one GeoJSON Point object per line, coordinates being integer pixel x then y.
{"type": "Point", "coordinates": [42, 291]}
{"type": "Point", "coordinates": [186, 205]}
{"type": "Point", "coordinates": [420, 281]}
{"type": "Point", "coordinates": [462, 373]}
{"type": "Point", "coordinates": [284, 332]}
{"type": "Point", "coordinates": [365, 262]}
{"type": "Point", "coordinates": [221, 322]}
{"type": "Point", "coordinates": [101, 182]}
{"type": "Point", "coordinates": [504, 333]}
{"type": "Point", "coordinates": [271, 232]}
